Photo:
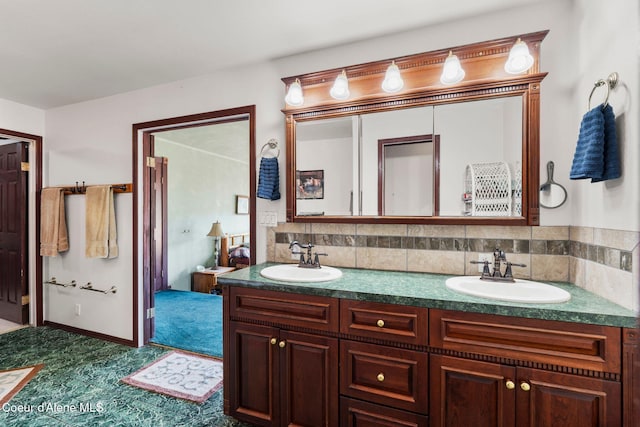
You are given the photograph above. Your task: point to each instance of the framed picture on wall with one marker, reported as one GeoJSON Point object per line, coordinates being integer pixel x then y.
{"type": "Point", "coordinates": [310, 184]}
{"type": "Point", "coordinates": [242, 205]}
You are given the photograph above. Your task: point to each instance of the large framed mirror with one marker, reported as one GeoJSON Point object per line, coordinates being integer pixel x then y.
{"type": "Point", "coordinates": [466, 153]}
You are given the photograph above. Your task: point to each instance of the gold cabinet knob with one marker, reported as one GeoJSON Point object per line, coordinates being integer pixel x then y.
{"type": "Point", "coordinates": [380, 377]}
{"type": "Point", "coordinates": [282, 344]}
{"type": "Point", "coordinates": [510, 385]}
{"type": "Point", "coordinates": [273, 341]}
{"type": "Point", "coordinates": [380, 323]}
{"type": "Point", "coordinates": [525, 386]}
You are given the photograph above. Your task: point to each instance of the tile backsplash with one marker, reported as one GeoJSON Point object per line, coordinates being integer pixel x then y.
{"type": "Point", "coordinates": [601, 260]}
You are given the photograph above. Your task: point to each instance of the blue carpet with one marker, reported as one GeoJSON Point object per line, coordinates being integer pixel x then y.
{"type": "Point", "coordinates": [189, 321]}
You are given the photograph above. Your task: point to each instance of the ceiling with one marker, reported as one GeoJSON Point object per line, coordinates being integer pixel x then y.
{"type": "Point", "coordinates": [61, 52]}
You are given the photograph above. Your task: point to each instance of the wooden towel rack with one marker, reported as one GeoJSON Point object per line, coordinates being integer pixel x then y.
{"type": "Point", "coordinates": [82, 189]}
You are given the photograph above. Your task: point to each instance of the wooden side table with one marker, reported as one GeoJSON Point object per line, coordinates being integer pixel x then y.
{"type": "Point", "coordinates": [207, 280]}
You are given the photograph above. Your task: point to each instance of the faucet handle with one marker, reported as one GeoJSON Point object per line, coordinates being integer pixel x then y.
{"type": "Point", "coordinates": [508, 273]}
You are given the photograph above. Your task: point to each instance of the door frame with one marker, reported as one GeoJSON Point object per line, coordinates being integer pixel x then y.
{"type": "Point", "coordinates": [34, 190]}
{"type": "Point", "coordinates": [142, 292]}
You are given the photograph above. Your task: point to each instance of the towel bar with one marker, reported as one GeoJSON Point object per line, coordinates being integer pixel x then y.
{"type": "Point", "coordinates": [273, 145]}
{"type": "Point", "coordinates": [611, 82]}
{"type": "Point", "coordinates": [53, 281]}
{"type": "Point", "coordinates": [89, 287]}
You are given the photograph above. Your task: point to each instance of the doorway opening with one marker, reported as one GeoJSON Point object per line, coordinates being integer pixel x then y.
{"type": "Point", "coordinates": [20, 183]}
{"type": "Point", "coordinates": [191, 171]}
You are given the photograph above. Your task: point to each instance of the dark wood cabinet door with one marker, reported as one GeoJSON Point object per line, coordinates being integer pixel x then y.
{"type": "Point", "coordinates": [552, 399]}
{"type": "Point", "coordinates": [309, 385]}
{"type": "Point", "coordinates": [255, 373]}
{"type": "Point", "coordinates": [471, 393]}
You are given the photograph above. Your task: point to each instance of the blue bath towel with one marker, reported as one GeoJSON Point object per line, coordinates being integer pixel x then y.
{"type": "Point", "coordinates": [596, 155]}
{"type": "Point", "coordinates": [269, 179]}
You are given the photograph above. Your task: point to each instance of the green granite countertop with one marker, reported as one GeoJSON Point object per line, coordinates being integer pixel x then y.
{"type": "Point", "coordinates": [429, 290]}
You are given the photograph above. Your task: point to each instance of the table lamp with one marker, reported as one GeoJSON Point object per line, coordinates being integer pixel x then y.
{"type": "Point", "coordinates": [215, 232]}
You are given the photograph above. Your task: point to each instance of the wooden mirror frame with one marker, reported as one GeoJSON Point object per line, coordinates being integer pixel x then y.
{"type": "Point", "coordinates": [485, 78]}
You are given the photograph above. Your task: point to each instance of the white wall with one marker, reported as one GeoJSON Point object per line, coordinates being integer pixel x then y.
{"type": "Point", "coordinates": [21, 118]}
{"type": "Point", "coordinates": [91, 141]}
{"type": "Point", "coordinates": [609, 34]}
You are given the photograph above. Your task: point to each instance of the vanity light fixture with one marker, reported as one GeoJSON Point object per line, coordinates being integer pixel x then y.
{"type": "Point", "coordinates": [294, 96]}
{"type": "Point", "coordinates": [520, 60]}
{"type": "Point", "coordinates": [392, 79]}
{"type": "Point", "coordinates": [452, 71]}
{"type": "Point", "coordinates": [340, 88]}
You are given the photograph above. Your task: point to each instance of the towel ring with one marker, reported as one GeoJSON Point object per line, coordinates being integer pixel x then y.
{"type": "Point", "coordinates": [611, 82]}
{"type": "Point", "coordinates": [272, 144]}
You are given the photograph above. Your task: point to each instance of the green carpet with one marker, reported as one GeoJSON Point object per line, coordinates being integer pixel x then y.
{"type": "Point", "coordinates": [189, 321]}
{"type": "Point", "coordinates": [79, 385]}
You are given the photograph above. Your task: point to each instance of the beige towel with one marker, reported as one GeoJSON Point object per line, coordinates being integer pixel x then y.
{"type": "Point", "coordinates": [100, 223]}
{"type": "Point", "coordinates": [53, 226]}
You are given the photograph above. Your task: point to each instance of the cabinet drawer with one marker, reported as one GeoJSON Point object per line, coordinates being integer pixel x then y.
{"type": "Point", "coordinates": [355, 413]}
{"type": "Point", "coordinates": [306, 311]}
{"type": "Point", "coordinates": [397, 323]}
{"type": "Point", "coordinates": [575, 345]}
{"type": "Point", "coordinates": [385, 375]}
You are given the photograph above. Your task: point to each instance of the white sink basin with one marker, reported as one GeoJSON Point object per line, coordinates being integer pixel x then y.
{"type": "Point", "coordinates": [293, 273]}
{"type": "Point", "coordinates": [520, 291]}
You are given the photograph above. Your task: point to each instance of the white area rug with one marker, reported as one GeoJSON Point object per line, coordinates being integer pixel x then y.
{"type": "Point", "coordinates": [12, 381]}
{"type": "Point", "coordinates": [181, 375]}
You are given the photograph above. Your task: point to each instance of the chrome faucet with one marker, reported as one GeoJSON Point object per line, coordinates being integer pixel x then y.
{"type": "Point", "coordinates": [312, 260]}
{"type": "Point", "coordinates": [499, 257]}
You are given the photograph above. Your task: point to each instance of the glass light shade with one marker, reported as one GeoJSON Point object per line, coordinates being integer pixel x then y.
{"type": "Point", "coordinates": [294, 96]}
{"type": "Point", "coordinates": [452, 71]}
{"type": "Point", "coordinates": [340, 88]}
{"type": "Point", "coordinates": [520, 60]}
{"type": "Point", "coordinates": [216, 230]}
{"type": "Point", "coordinates": [392, 79]}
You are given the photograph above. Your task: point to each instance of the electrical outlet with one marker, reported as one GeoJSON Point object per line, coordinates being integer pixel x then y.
{"type": "Point", "coordinates": [482, 257]}
{"type": "Point", "coordinates": [77, 310]}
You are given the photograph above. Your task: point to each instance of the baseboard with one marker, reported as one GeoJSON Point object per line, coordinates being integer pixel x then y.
{"type": "Point", "coordinates": [92, 334]}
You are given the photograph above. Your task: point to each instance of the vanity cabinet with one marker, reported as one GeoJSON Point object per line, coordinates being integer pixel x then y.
{"type": "Point", "coordinates": [508, 376]}
{"type": "Point", "coordinates": [278, 376]}
{"type": "Point", "coordinates": [309, 360]}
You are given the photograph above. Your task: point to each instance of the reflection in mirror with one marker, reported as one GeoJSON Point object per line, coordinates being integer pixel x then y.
{"type": "Point", "coordinates": [408, 176]}
{"type": "Point", "coordinates": [392, 125]}
{"type": "Point", "coordinates": [326, 178]}
{"type": "Point", "coordinates": [480, 133]}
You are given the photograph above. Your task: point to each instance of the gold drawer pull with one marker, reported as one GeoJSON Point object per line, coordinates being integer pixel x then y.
{"type": "Point", "coordinates": [525, 386]}
{"type": "Point", "coordinates": [380, 377]}
{"type": "Point", "coordinates": [273, 341]}
{"type": "Point", "coordinates": [380, 323]}
{"type": "Point", "coordinates": [282, 344]}
{"type": "Point", "coordinates": [510, 385]}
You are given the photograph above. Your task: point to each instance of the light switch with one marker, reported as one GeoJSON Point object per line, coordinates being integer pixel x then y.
{"type": "Point", "coordinates": [269, 219]}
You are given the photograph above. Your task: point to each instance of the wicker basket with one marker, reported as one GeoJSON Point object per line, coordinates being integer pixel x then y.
{"type": "Point", "coordinates": [488, 190]}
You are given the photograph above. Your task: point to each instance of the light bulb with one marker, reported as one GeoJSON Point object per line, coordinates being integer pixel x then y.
{"type": "Point", "coordinates": [452, 71]}
{"type": "Point", "coordinates": [520, 60]}
{"type": "Point", "coordinates": [294, 96]}
{"type": "Point", "coordinates": [340, 89]}
{"type": "Point", "coordinates": [392, 80]}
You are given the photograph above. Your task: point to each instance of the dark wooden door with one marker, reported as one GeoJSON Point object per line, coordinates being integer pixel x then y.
{"type": "Point", "coordinates": [159, 225]}
{"type": "Point", "coordinates": [254, 364]}
{"type": "Point", "coordinates": [471, 393]}
{"type": "Point", "coordinates": [309, 386]}
{"type": "Point", "coordinates": [552, 399]}
{"type": "Point", "coordinates": [14, 291]}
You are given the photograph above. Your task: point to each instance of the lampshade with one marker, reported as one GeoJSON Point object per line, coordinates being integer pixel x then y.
{"type": "Point", "coordinates": [452, 71]}
{"type": "Point", "coordinates": [520, 60]}
{"type": "Point", "coordinates": [216, 230]}
{"type": "Point", "coordinates": [392, 80]}
{"type": "Point", "coordinates": [340, 89]}
{"type": "Point", "coordinates": [294, 96]}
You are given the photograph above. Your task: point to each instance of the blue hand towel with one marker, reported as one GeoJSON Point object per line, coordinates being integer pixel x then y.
{"type": "Point", "coordinates": [611, 164]}
{"type": "Point", "coordinates": [596, 155]}
{"type": "Point", "coordinates": [269, 179]}
{"type": "Point", "coordinates": [589, 156]}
